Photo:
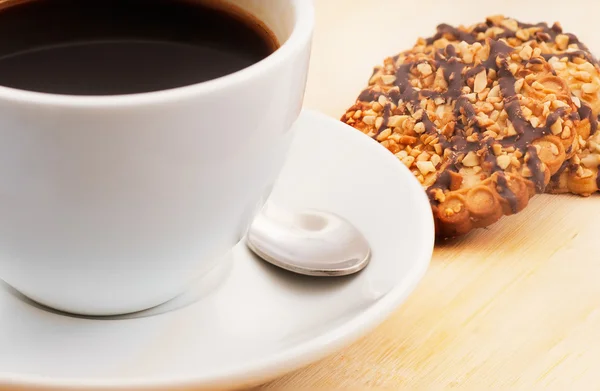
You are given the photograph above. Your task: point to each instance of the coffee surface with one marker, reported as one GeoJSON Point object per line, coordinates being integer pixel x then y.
{"type": "Point", "coordinates": [114, 47]}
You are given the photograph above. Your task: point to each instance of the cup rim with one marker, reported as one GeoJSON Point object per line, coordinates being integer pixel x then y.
{"type": "Point", "coordinates": [301, 35]}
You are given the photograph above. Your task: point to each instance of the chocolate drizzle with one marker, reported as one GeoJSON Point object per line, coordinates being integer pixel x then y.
{"type": "Point", "coordinates": [443, 182]}
{"type": "Point", "coordinates": [571, 55]}
{"type": "Point", "coordinates": [534, 164]}
{"type": "Point", "coordinates": [561, 169]}
{"type": "Point", "coordinates": [456, 74]}
{"type": "Point", "coordinates": [526, 133]}
{"type": "Point", "coordinates": [369, 95]}
{"type": "Point", "coordinates": [409, 95]}
{"type": "Point", "coordinates": [387, 110]}
{"type": "Point", "coordinates": [546, 34]}
{"type": "Point", "coordinates": [585, 111]}
{"type": "Point", "coordinates": [505, 192]}
{"type": "Point", "coordinates": [445, 30]}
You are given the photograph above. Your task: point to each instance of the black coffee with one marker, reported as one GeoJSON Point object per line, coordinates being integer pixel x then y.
{"type": "Point", "coordinates": [112, 47]}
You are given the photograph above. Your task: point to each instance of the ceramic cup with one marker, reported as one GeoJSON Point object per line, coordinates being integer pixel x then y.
{"type": "Point", "coordinates": [115, 204]}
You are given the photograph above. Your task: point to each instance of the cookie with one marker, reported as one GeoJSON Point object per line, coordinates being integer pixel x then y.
{"type": "Point", "coordinates": [580, 174]}
{"type": "Point", "coordinates": [483, 126]}
{"type": "Point", "coordinates": [571, 60]}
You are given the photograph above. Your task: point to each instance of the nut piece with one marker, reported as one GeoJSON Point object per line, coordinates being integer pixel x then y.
{"type": "Point", "coordinates": [425, 167]}
{"type": "Point", "coordinates": [408, 161]}
{"type": "Point", "coordinates": [494, 92]}
{"type": "Point", "coordinates": [369, 119]}
{"type": "Point", "coordinates": [589, 88]}
{"type": "Point", "coordinates": [439, 195]}
{"type": "Point", "coordinates": [480, 82]}
{"type": "Point", "coordinates": [556, 127]}
{"type": "Point", "coordinates": [510, 24]}
{"type": "Point", "coordinates": [526, 52]}
{"type": "Point", "coordinates": [424, 69]}
{"type": "Point", "coordinates": [562, 41]}
{"type": "Point", "coordinates": [537, 85]}
{"type": "Point", "coordinates": [419, 127]}
{"type": "Point", "coordinates": [591, 161]}
{"type": "Point", "coordinates": [523, 35]}
{"type": "Point", "coordinates": [586, 173]}
{"type": "Point", "coordinates": [471, 160]}
{"type": "Point", "coordinates": [395, 121]}
{"type": "Point", "coordinates": [388, 79]}
{"type": "Point", "coordinates": [497, 148]}
{"type": "Point", "coordinates": [510, 129]}
{"type": "Point", "coordinates": [424, 156]}
{"type": "Point", "coordinates": [519, 85]}
{"type": "Point", "coordinates": [503, 161]}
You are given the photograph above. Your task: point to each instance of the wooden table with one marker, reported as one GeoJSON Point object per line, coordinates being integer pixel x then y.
{"type": "Point", "coordinates": [516, 306]}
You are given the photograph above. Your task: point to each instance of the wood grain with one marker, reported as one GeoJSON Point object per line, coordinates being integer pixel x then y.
{"type": "Point", "coordinates": [515, 306]}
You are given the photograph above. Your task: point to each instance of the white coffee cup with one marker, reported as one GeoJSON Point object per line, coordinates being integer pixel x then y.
{"type": "Point", "coordinates": [115, 204]}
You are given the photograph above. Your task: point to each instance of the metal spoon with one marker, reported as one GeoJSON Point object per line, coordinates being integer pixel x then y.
{"type": "Point", "coordinates": [314, 243]}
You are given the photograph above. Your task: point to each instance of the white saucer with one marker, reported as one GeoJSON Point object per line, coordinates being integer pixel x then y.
{"type": "Point", "coordinates": [246, 322]}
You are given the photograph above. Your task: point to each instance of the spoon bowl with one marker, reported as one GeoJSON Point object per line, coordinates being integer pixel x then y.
{"type": "Point", "coordinates": [311, 242]}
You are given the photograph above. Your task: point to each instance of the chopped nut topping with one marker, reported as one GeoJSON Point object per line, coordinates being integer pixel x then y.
{"type": "Point", "coordinates": [396, 121]}
{"type": "Point", "coordinates": [591, 161]}
{"type": "Point", "coordinates": [480, 81]}
{"type": "Point", "coordinates": [526, 52]}
{"type": "Point", "coordinates": [476, 123]}
{"type": "Point", "coordinates": [523, 35]}
{"type": "Point", "coordinates": [503, 161]}
{"type": "Point", "coordinates": [556, 127]}
{"type": "Point", "coordinates": [519, 85]}
{"type": "Point", "coordinates": [419, 127]}
{"type": "Point", "coordinates": [535, 122]}
{"type": "Point", "coordinates": [408, 161]}
{"type": "Point", "coordinates": [388, 79]}
{"type": "Point", "coordinates": [538, 85]}
{"type": "Point", "coordinates": [586, 173]}
{"type": "Point", "coordinates": [510, 24]}
{"type": "Point", "coordinates": [425, 167]}
{"type": "Point", "coordinates": [494, 92]}
{"type": "Point", "coordinates": [424, 156]}
{"type": "Point", "coordinates": [384, 135]}
{"type": "Point", "coordinates": [590, 88]}
{"type": "Point", "coordinates": [425, 69]}
{"type": "Point", "coordinates": [439, 195]}
{"type": "Point", "coordinates": [369, 119]}
{"type": "Point", "coordinates": [470, 160]}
